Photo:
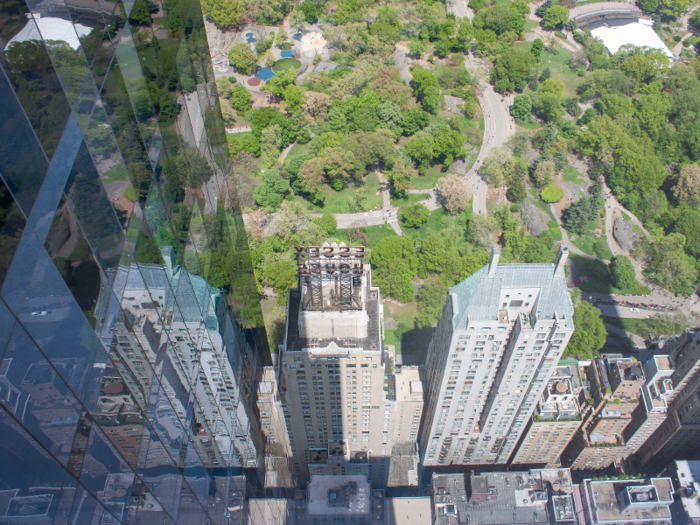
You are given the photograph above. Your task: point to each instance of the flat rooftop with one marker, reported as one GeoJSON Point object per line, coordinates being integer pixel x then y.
{"type": "Point", "coordinates": [603, 496]}
{"type": "Point", "coordinates": [518, 498]}
{"type": "Point", "coordinates": [689, 477]}
{"type": "Point", "coordinates": [324, 490]}
{"type": "Point", "coordinates": [408, 511]}
{"type": "Point", "coordinates": [408, 384]}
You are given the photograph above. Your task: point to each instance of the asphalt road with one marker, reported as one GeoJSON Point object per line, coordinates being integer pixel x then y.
{"type": "Point", "coordinates": [498, 126]}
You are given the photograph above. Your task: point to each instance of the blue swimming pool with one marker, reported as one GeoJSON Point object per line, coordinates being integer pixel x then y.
{"type": "Point", "coordinates": [297, 37]}
{"type": "Point", "coordinates": [249, 35]}
{"type": "Point", "coordinates": [286, 54]}
{"type": "Point", "coordinates": [265, 74]}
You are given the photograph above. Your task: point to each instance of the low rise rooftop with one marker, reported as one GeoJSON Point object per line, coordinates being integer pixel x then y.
{"type": "Point", "coordinates": [496, 498]}
{"type": "Point", "coordinates": [339, 495]}
{"type": "Point", "coordinates": [628, 501]}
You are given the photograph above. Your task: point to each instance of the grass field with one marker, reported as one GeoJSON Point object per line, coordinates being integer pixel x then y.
{"type": "Point", "coordinates": [409, 198]}
{"type": "Point", "coordinates": [339, 201]}
{"type": "Point", "coordinates": [429, 180]}
{"type": "Point", "coordinates": [374, 234]}
{"type": "Point", "coordinates": [432, 226]}
{"type": "Point", "coordinates": [557, 62]}
{"type": "Point", "coordinates": [529, 123]}
{"type": "Point", "coordinates": [284, 64]}
{"type": "Point", "coordinates": [572, 175]}
{"type": "Point", "coordinates": [410, 341]}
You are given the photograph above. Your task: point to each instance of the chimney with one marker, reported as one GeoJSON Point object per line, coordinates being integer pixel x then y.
{"type": "Point", "coordinates": [493, 260]}
{"type": "Point", "coordinates": [560, 261]}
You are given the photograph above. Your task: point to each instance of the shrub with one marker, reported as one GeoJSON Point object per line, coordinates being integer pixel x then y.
{"type": "Point", "coordinates": [552, 193]}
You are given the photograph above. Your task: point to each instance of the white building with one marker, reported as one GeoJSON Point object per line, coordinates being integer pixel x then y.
{"type": "Point", "coordinates": [497, 344]}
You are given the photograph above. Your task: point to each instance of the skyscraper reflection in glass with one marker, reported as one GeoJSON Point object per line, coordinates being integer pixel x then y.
{"type": "Point", "coordinates": [130, 326]}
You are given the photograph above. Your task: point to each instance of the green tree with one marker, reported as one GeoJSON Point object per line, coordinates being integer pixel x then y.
{"type": "Point", "coordinates": [431, 298]}
{"type": "Point", "coordinates": [548, 107]}
{"type": "Point", "coordinates": [311, 10]}
{"type": "Point", "coordinates": [552, 193]}
{"type": "Point", "coordinates": [689, 225]}
{"type": "Point", "coordinates": [293, 97]}
{"type": "Point", "coordinates": [536, 49]}
{"type": "Point", "coordinates": [420, 148]}
{"type": "Point", "coordinates": [516, 191]}
{"type": "Point", "coordinates": [416, 48]}
{"type": "Point", "coordinates": [426, 89]}
{"type": "Point", "coordinates": [473, 262]}
{"type": "Point", "coordinates": [668, 265]}
{"type": "Point", "coordinates": [414, 215]}
{"type": "Point", "coordinates": [242, 58]}
{"type": "Point", "coordinates": [589, 333]}
{"type": "Point", "coordinates": [413, 120]}
{"type": "Point", "coordinates": [522, 106]}
{"type": "Point", "coordinates": [241, 99]}
{"type": "Point", "coordinates": [400, 177]}
{"type": "Point", "coordinates": [327, 222]}
{"type": "Point", "coordinates": [223, 13]}
{"type": "Point", "coordinates": [555, 17]}
{"type": "Point", "coordinates": [622, 273]}
{"type": "Point", "coordinates": [512, 69]}
{"type": "Point", "coordinates": [271, 191]}
{"type": "Point", "coordinates": [394, 263]}
{"type": "Point", "coordinates": [649, 6]}
{"type": "Point", "coordinates": [281, 275]}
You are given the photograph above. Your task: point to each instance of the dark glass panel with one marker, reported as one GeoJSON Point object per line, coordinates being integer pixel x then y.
{"type": "Point", "coordinates": [191, 511]}
{"type": "Point", "coordinates": [160, 473]}
{"type": "Point", "coordinates": [57, 324]}
{"type": "Point", "coordinates": [45, 405]}
{"type": "Point", "coordinates": [21, 269]}
{"type": "Point", "coordinates": [32, 75]}
{"type": "Point", "coordinates": [35, 486]}
{"type": "Point", "coordinates": [23, 164]}
{"type": "Point", "coordinates": [144, 508]}
{"type": "Point", "coordinates": [68, 247]}
{"type": "Point", "coordinates": [93, 209]}
{"type": "Point", "coordinates": [11, 226]}
{"type": "Point", "coordinates": [117, 412]}
{"type": "Point", "coordinates": [126, 130]}
{"type": "Point", "coordinates": [87, 510]}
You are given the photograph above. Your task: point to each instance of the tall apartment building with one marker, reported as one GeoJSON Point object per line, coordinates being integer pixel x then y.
{"type": "Point", "coordinates": [130, 326]}
{"type": "Point", "coordinates": [338, 408]}
{"type": "Point", "coordinates": [618, 429]}
{"type": "Point", "coordinates": [556, 419]}
{"type": "Point", "coordinates": [496, 346]}
{"type": "Point", "coordinates": [677, 437]}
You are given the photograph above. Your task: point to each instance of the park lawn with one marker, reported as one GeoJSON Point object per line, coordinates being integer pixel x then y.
{"type": "Point", "coordinates": [374, 234]}
{"type": "Point", "coordinates": [115, 174]}
{"type": "Point", "coordinates": [594, 276]}
{"type": "Point", "coordinates": [297, 151]}
{"type": "Point", "coordinates": [557, 60]}
{"type": "Point", "coordinates": [433, 225]}
{"type": "Point", "coordinates": [627, 218]}
{"type": "Point", "coordinates": [409, 198]}
{"type": "Point", "coordinates": [275, 323]}
{"type": "Point", "coordinates": [530, 24]}
{"type": "Point", "coordinates": [410, 341]}
{"type": "Point", "coordinates": [572, 175]}
{"type": "Point", "coordinates": [339, 201]}
{"type": "Point", "coordinates": [432, 175]}
{"type": "Point", "coordinates": [617, 343]}
{"type": "Point", "coordinates": [528, 123]}
{"type": "Point", "coordinates": [592, 245]}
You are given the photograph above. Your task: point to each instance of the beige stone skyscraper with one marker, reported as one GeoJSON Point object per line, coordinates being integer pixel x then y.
{"type": "Point", "coordinates": [338, 407]}
{"type": "Point", "coordinates": [497, 343]}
